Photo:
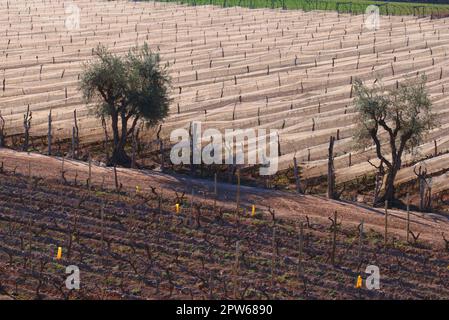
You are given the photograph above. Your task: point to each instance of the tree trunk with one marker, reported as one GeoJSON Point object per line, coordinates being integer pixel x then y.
{"type": "Point", "coordinates": [2, 131]}
{"type": "Point", "coordinates": [48, 134]}
{"type": "Point", "coordinates": [389, 185]}
{"type": "Point", "coordinates": [119, 156]}
{"type": "Point", "coordinates": [331, 170]}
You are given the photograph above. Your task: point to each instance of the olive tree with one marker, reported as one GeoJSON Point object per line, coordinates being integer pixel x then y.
{"type": "Point", "coordinates": [126, 89]}
{"type": "Point", "coordinates": [395, 120]}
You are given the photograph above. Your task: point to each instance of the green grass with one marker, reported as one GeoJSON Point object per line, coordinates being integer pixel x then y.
{"type": "Point", "coordinates": [342, 6]}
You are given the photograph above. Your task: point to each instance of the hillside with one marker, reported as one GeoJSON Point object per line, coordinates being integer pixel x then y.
{"type": "Point", "coordinates": [166, 231]}
{"type": "Point", "coordinates": [141, 249]}
{"type": "Point", "coordinates": [288, 70]}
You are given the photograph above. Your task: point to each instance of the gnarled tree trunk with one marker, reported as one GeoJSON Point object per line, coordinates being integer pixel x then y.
{"type": "Point", "coordinates": [119, 156]}
{"type": "Point", "coordinates": [389, 194]}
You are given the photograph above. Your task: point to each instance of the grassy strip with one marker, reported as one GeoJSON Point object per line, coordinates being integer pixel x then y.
{"type": "Point", "coordinates": [342, 6]}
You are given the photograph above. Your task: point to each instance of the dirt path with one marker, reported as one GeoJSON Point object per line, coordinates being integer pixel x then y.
{"type": "Point", "coordinates": [285, 204]}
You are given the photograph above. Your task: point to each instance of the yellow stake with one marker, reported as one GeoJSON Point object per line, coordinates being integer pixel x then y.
{"type": "Point", "coordinates": [137, 189]}
{"type": "Point", "coordinates": [177, 208]}
{"type": "Point", "coordinates": [253, 210]}
{"type": "Point", "coordinates": [359, 282]}
{"type": "Point", "coordinates": [59, 255]}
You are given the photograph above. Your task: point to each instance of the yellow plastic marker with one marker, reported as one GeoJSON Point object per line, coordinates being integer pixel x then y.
{"type": "Point", "coordinates": [59, 255]}
{"type": "Point", "coordinates": [137, 189]}
{"type": "Point", "coordinates": [253, 210]}
{"type": "Point", "coordinates": [177, 208]}
{"type": "Point", "coordinates": [359, 282]}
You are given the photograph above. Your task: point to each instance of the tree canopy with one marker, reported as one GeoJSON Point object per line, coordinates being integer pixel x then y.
{"type": "Point", "coordinates": [131, 87]}
{"type": "Point", "coordinates": [401, 115]}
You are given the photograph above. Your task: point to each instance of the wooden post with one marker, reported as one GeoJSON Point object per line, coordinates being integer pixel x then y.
{"type": "Point", "coordinates": [191, 204]}
{"type": "Point", "coordinates": [116, 179]}
{"type": "Point", "coordinates": [215, 191]}
{"type": "Point", "coordinates": [422, 190]}
{"type": "Point", "coordinates": [62, 169]}
{"type": "Point", "coordinates": [2, 131]}
{"type": "Point", "coordinates": [69, 245]}
{"type": "Point", "coordinates": [73, 143]}
{"type": "Point", "coordinates": [192, 168]}
{"type": "Point", "coordinates": [75, 137]}
{"type": "Point", "coordinates": [330, 170]}
{"type": "Point", "coordinates": [279, 144]}
{"type": "Point", "coordinates": [89, 180]}
{"type": "Point", "coordinates": [295, 171]}
{"type": "Point", "coordinates": [386, 223]}
{"type": "Point", "coordinates": [161, 151]}
{"type": "Point", "coordinates": [236, 269]}
{"type": "Point", "coordinates": [435, 153]}
{"type": "Point", "coordinates": [273, 256]}
{"type": "Point", "coordinates": [49, 133]}
{"type": "Point", "coordinates": [237, 213]}
{"type": "Point", "coordinates": [360, 241]}
{"type": "Point", "coordinates": [300, 248]}
{"type": "Point", "coordinates": [29, 172]}
{"type": "Point", "coordinates": [26, 125]}
{"type": "Point", "coordinates": [334, 238]}
{"type": "Point", "coordinates": [408, 217]}
{"type": "Point", "coordinates": [102, 225]}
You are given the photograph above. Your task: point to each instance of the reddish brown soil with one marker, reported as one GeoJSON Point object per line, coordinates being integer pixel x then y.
{"type": "Point", "coordinates": [285, 204]}
{"type": "Point", "coordinates": [151, 252]}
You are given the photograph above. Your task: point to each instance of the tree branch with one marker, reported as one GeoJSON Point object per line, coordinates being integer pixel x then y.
{"type": "Point", "coordinates": [392, 136]}
{"type": "Point", "coordinates": [131, 129]}
{"type": "Point", "coordinates": [373, 134]}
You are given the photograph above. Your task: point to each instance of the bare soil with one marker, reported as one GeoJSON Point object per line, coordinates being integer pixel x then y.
{"type": "Point", "coordinates": [145, 250]}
